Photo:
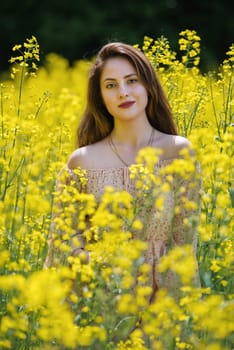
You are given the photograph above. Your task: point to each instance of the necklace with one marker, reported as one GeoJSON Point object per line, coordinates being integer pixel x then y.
{"type": "Point", "coordinates": [114, 148]}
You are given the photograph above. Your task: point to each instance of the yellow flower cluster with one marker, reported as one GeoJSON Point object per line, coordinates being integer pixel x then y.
{"type": "Point", "coordinates": [190, 44]}
{"type": "Point", "coordinates": [28, 54]}
{"type": "Point", "coordinates": [159, 52]}
{"type": "Point", "coordinates": [96, 293]}
{"type": "Point", "coordinates": [228, 63]}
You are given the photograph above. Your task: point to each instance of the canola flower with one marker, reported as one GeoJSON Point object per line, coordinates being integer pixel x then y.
{"type": "Point", "coordinates": [99, 300]}
{"type": "Point", "coordinates": [190, 44]}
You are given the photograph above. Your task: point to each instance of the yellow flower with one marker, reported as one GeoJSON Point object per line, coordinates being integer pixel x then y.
{"type": "Point", "coordinates": [181, 260]}
{"type": "Point", "coordinates": [111, 274]}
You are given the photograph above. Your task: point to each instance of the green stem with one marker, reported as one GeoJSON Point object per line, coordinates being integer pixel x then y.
{"type": "Point", "coordinates": [18, 114]}
{"type": "Point", "coordinates": [20, 89]}
{"type": "Point", "coordinates": [214, 110]}
{"type": "Point", "coordinates": [9, 181]}
{"type": "Point", "coordinates": [228, 103]}
{"type": "Point", "coordinates": [185, 127]}
{"type": "Point", "coordinates": [194, 112]}
{"type": "Point", "coordinates": [43, 100]}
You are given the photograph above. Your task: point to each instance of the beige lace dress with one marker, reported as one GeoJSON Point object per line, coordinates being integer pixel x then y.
{"type": "Point", "coordinates": [161, 226]}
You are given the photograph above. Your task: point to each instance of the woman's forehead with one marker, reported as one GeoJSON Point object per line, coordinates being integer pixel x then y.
{"type": "Point", "coordinates": [117, 67]}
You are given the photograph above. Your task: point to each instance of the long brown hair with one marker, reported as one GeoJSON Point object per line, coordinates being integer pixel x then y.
{"type": "Point", "coordinates": [97, 122]}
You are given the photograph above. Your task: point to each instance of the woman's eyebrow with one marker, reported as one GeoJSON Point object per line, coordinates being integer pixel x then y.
{"type": "Point", "coordinates": [125, 77]}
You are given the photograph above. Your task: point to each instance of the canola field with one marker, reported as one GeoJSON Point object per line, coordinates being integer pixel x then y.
{"type": "Point", "coordinates": [95, 305]}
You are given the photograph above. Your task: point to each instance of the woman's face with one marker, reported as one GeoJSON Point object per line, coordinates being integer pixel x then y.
{"type": "Point", "coordinates": [123, 93]}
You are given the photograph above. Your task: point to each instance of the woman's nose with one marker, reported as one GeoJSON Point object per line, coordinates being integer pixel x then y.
{"type": "Point", "coordinates": [123, 90]}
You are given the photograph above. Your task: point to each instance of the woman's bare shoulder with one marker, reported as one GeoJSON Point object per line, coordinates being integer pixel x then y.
{"type": "Point", "coordinates": [181, 142]}
{"type": "Point", "coordinates": [172, 145]}
{"type": "Point", "coordinates": [87, 156]}
{"type": "Point", "coordinates": [78, 158]}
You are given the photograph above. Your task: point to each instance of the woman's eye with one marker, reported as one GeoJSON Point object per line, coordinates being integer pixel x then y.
{"type": "Point", "coordinates": [132, 80]}
{"type": "Point", "coordinates": [110, 85]}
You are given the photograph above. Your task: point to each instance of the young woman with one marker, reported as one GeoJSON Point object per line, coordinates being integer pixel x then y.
{"type": "Point", "coordinates": [126, 111]}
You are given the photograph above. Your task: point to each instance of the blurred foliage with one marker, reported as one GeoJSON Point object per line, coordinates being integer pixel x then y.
{"type": "Point", "coordinates": [77, 28]}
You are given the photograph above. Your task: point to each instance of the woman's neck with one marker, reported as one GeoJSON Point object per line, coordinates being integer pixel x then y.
{"type": "Point", "coordinates": [132, 134]}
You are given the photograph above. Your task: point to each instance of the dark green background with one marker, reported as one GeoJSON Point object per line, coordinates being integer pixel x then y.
{"type": "Point", "coordinates": [77, 28]}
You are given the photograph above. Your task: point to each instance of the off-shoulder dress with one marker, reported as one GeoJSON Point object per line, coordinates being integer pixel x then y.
{"type": "Point", "coordinates": [162, 225]}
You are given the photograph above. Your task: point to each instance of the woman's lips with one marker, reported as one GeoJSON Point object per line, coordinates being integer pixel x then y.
{"type": "Point", "coordinates": [126, 104]}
